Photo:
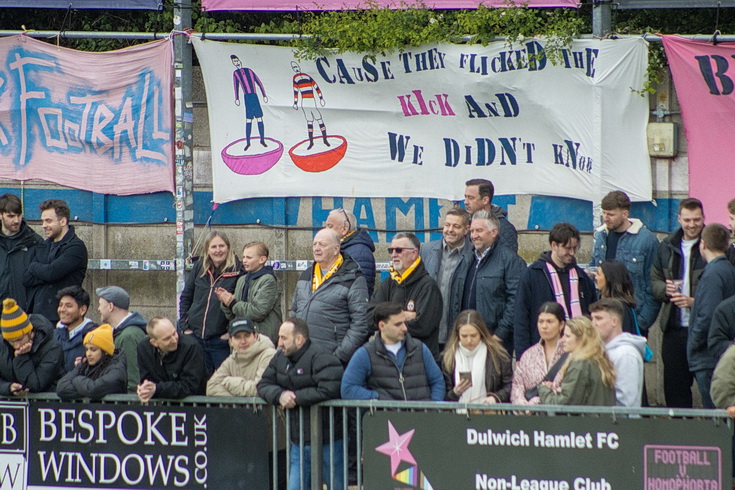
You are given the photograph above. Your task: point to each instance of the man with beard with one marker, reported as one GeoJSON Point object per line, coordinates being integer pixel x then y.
{"type": "Point", "coordinates": [629, 241]}
{"type": "Point", "coordinates": [60, 261]}
{"type": "Point", "coordinates": [676, 270]}
{"type": "Point", "coordinates": [17, 243]}
{"type": "Point", "coordinates": [555, 276]}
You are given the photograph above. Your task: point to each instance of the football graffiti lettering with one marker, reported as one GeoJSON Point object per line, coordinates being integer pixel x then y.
{"type": "Point", "coordinates": [85, 121]}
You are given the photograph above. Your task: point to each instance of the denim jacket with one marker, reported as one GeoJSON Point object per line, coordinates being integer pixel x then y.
{"type": "Point", "coordinates": [637, 250]}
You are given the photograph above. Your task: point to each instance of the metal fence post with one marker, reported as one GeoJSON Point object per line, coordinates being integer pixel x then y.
{"type": "Point", "coordinates": [316, 446]}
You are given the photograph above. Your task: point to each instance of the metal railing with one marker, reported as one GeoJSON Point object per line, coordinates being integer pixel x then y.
{"type": "Point", "coordinates": [343, 414]}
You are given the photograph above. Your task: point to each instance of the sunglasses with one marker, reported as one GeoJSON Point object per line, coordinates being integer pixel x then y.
{"type": "Point", "coordinates": [399, 250]}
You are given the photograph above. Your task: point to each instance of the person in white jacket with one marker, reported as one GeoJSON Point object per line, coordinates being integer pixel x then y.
{"type": "Point", "coordinates": [625, 350]}
{"type": "Point", "coordinates": [240, 372]}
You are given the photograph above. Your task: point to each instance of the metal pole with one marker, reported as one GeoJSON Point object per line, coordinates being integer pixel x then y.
{"type": "Point", "coordinates": [601, 18]}
{"type": "Point", "coordinates": [184, 142]}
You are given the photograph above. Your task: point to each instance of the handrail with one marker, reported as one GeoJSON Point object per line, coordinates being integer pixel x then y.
{"type": "Point", "coordinates": [416, 405]}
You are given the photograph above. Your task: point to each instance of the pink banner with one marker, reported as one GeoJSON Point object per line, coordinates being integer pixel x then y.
{"type": "Point", "coordinates": [99, 122]}
{"type": "Point", "coordinates": [359, 4]}
{"type": "Point", "coordinates": [704, 76]}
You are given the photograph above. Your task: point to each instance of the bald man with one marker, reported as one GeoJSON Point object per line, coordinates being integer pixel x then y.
{"type": "Point", "coordinates": [331, 296]}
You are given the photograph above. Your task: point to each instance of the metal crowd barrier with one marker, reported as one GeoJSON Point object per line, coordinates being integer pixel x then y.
{"type": "Point", "coordinates": [340, 415]}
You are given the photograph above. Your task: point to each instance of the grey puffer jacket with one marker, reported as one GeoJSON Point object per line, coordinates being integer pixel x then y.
{"type": "Point", "coordinates": [336, 311]}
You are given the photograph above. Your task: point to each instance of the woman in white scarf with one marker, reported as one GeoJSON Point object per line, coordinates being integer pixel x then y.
{"type": "Point", "coordinates": [476, 367]}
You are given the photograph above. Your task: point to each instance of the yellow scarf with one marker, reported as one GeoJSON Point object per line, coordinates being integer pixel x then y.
{"type": "Point", "coordinates": [348, 235]}
{"type": "Point", "coordinates": [317, 279]}
{"type": "Point", "coordinates": [399, 278]}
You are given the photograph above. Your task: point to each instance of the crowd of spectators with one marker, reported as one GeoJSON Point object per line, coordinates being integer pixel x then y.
{"type": "Point", "coordinates": [458, 319]}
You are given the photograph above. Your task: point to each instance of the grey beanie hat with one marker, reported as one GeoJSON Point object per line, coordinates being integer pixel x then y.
{"type": "Point", "coordinates": [115, 295]}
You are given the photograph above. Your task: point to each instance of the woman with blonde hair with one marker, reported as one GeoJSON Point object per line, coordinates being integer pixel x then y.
{"type": "Point", "coordinates": [476, 367]}
{"type": "Point", "coordinates": [201, 312]}
{"type": "Point", "coordinates": [542, 361]}
{"type": "Point", "coordinates": [588, 376]}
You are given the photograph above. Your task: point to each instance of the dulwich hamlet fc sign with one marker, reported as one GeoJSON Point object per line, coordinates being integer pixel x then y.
{"type": "Point", "coordinates": [449, 451]}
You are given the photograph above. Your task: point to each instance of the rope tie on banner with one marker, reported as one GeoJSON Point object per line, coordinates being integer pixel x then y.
{"type": "Point", "coordinates": [60, 34]}
{"type": "Point", "coordinates": [713, 39]}
{"type": "Point", "coordinates": [372, 408]}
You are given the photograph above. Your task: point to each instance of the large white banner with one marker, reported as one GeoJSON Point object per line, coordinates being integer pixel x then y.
{"type": "Point", "coordinates": [422, 122]}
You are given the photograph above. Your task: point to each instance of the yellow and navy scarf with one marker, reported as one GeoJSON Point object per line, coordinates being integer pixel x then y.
{"type": "Point", "coordinates": [347, 236]}
{"type": "Point", "coordinates": [317, 279]}
{"type": "Point", "coordinates": [399, 278]}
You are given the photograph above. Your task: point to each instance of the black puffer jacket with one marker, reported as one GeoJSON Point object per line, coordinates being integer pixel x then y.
{"type": "Point", "coordinates": [37, 370]}
{"type": "Point", "coordinates": [16, 253]}
{"type": "Point", "coordinates": [200, 309]}
{"type": "Point", "coordinates": [314, 375]}
{"type": "Point", "coordinates": [108, 376]}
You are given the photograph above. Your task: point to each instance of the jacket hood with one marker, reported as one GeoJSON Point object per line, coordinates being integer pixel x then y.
{"type": "Point", "coordinates": [135, 320]}
{"type": "Point", "coordinates": [360, 237]}
{"type": "Point", "coordinates": [262, 344]}
{"type": "Point", "coordinates": [25, 237]}
{"type": "Point", "coordinates": [636, 226]}
{"type": "Point", "coordinates": [626, 338]}
{"type": "Point", "coordinates": [498, 211]}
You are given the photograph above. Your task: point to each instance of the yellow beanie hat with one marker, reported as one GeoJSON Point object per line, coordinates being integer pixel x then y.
{"type": "Point", "coordinates": [14, 322]}
{"type": "Point", "coordinates": [102, 338]}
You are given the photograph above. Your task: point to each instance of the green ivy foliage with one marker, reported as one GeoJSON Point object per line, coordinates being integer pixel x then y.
{"type": "Point", "coordinates": [379, 30]}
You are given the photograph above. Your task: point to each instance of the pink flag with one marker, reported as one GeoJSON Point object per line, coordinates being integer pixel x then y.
{"type": "Point", "coordinates": [704, 75]}
{"type": "Point", "coordinates": [94, 121]}
{"type": "Point", "coordinates": [359, 4]}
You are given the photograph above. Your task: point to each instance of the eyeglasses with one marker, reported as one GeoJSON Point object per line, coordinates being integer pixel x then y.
{"type": "Point", "coordinates": [347, 219]}
{"type": "Point", "coordinates": [399, 250]}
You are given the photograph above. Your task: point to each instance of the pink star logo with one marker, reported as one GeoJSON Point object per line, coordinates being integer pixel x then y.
{"type": "Point", "coordinates": [397, 448]}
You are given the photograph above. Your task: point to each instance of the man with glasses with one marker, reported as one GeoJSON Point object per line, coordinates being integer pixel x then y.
{"type": "Point", "coordinates": [356, 242]}
{"type": "Point", "coordinates": [488, 279]}
{"type": "Point", "coordinates": [411, 285]}
{"type": "Point", "coordinates": [555, 276]}
{"type": "Point", "coordinates": [30, 359]}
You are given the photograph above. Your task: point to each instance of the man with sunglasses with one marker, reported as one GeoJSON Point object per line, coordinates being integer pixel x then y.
{"type": "Point", "coordinates": [355, 241]}
{"type": "Point", "coordinates": [411, 285]}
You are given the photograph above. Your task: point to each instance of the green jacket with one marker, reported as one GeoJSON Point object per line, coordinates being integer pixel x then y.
{"type": "Point", "coordinates": [722, 390]}
{"type": "Point", "coordinates": [581, 385]}
{"type": "Point", "coordinates": [128, 334]}
{"type": "Point", "coordinates": [263, 306]}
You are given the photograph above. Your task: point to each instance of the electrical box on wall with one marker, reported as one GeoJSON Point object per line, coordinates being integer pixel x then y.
{"type": "Point", "coordinates": [662, 140]}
